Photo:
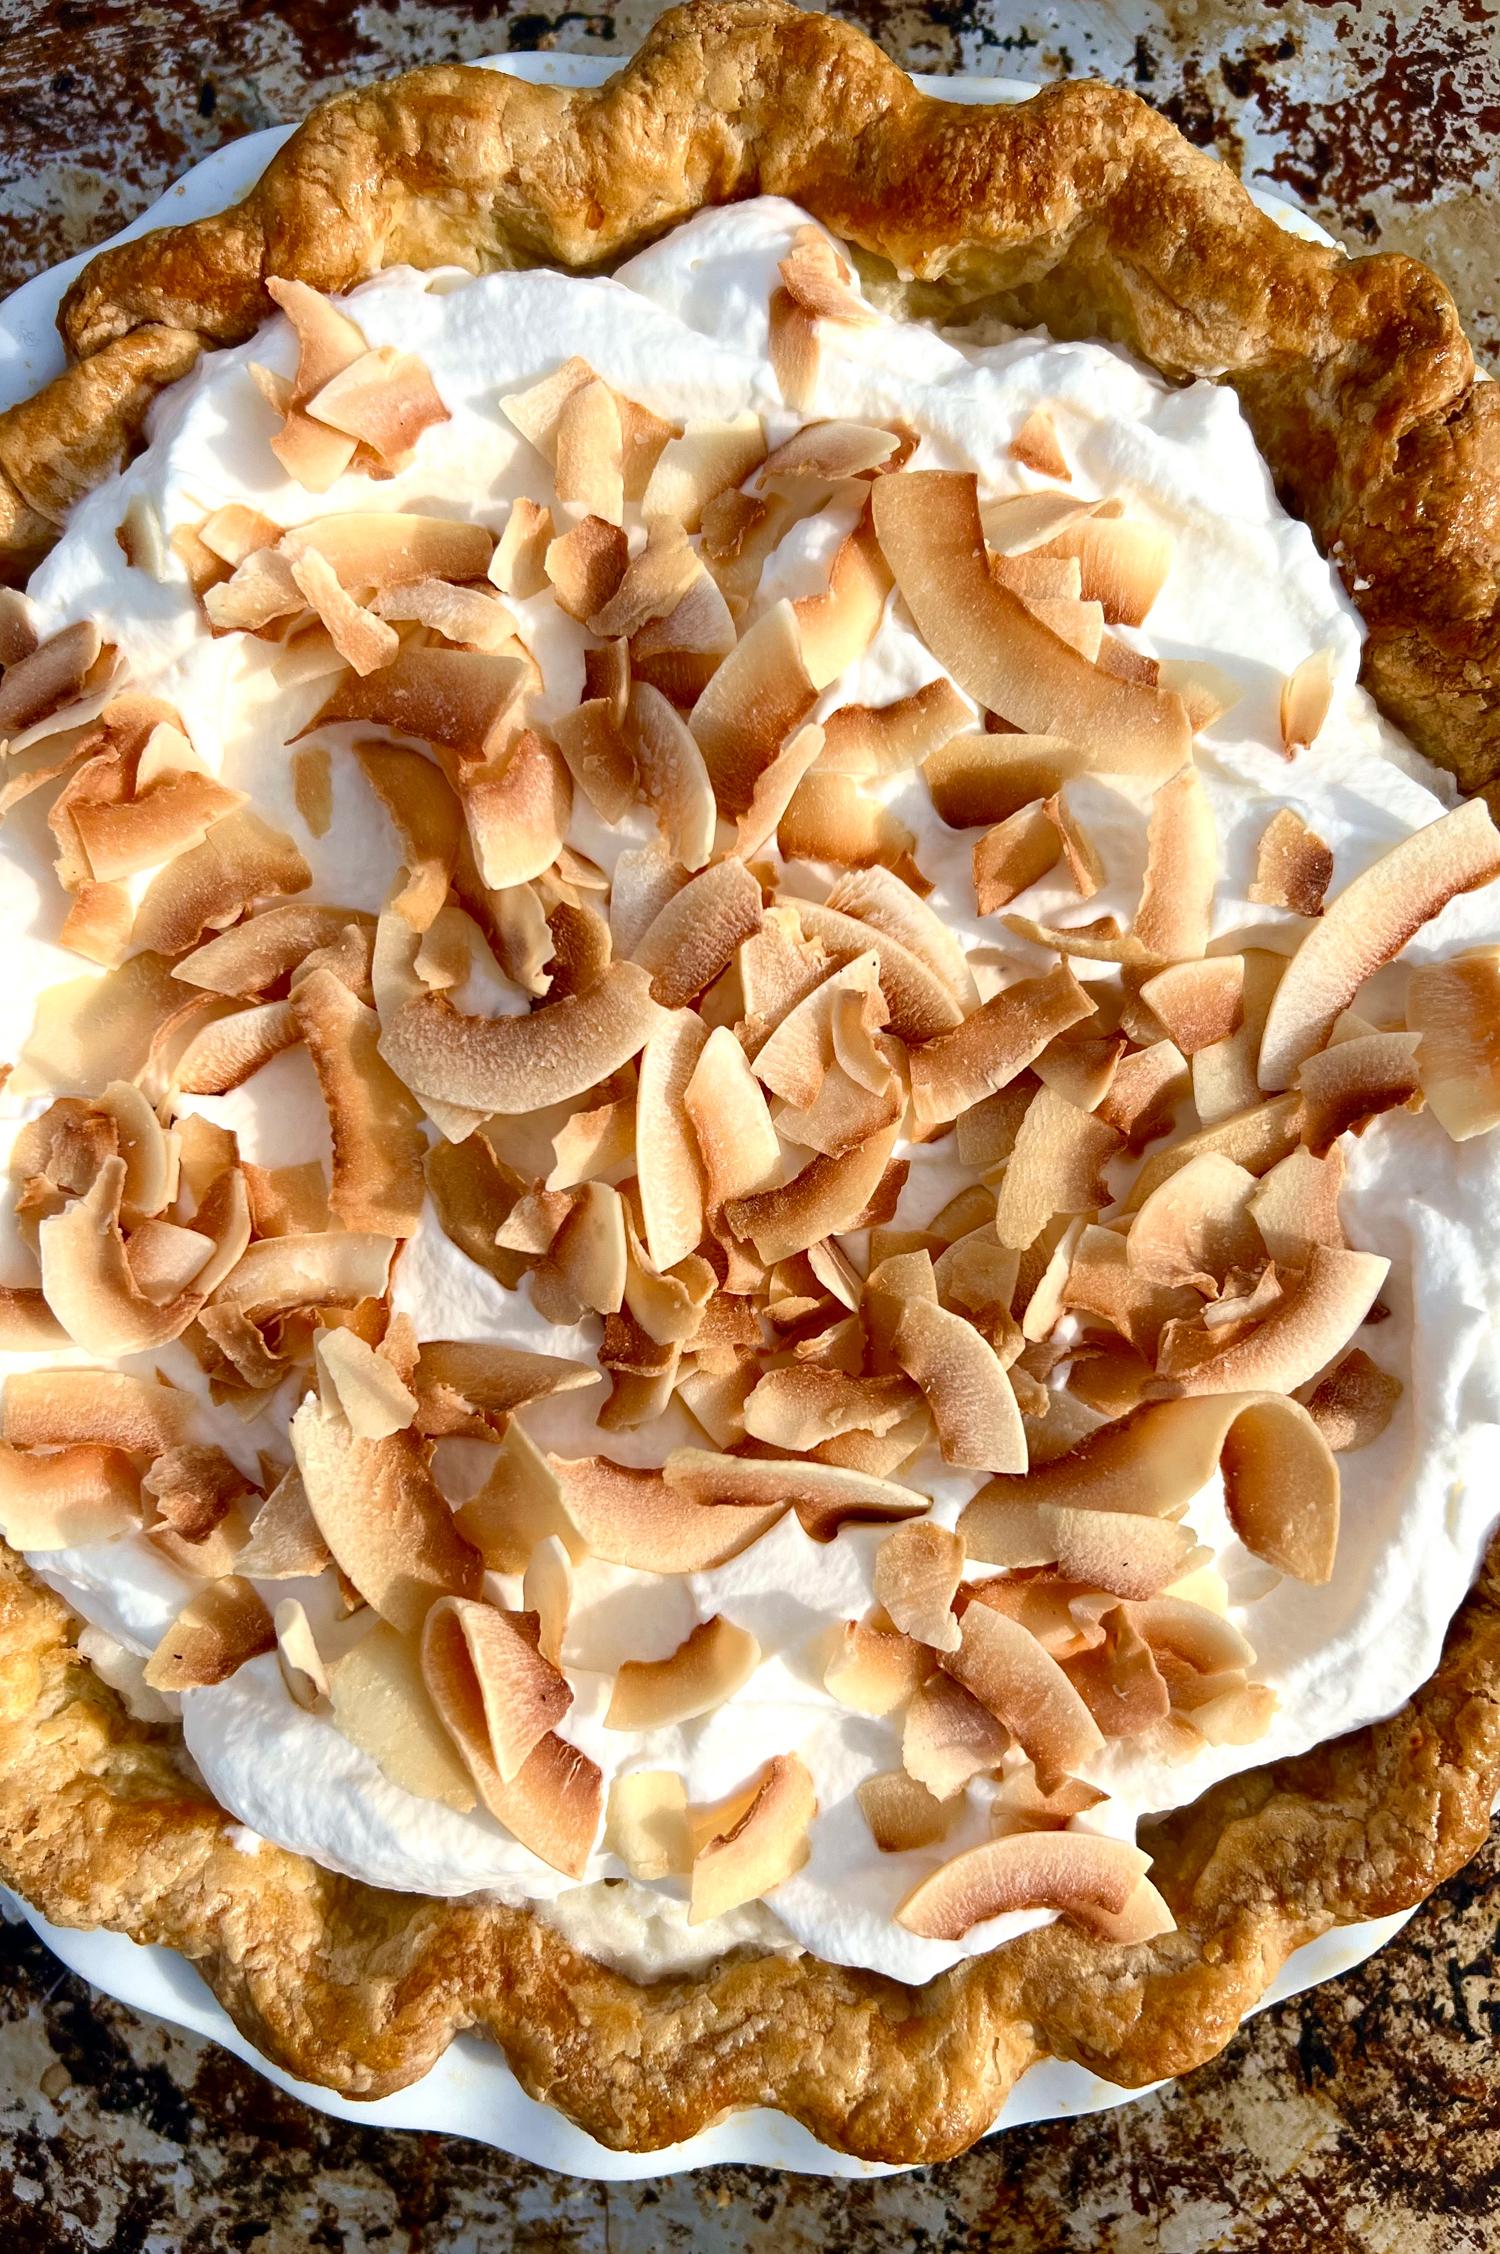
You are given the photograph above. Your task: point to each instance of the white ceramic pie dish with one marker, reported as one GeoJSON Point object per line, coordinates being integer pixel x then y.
{"type": "Point", "coordinates": [471, 2091]}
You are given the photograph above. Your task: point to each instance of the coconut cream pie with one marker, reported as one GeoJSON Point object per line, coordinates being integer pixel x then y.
{"type": "Point", "coordinates": [751, 1222]}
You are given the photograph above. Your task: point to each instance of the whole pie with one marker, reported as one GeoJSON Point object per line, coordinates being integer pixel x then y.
{"type": "Point", "coordinates": [753, 1005]}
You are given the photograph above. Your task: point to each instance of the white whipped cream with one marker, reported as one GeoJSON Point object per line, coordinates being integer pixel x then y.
{"type": "Point", "coordinates": [684, 328]}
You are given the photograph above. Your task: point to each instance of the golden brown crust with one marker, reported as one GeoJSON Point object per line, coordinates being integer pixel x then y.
{"type": "Point", "coordinates": [362, 1990]}
{"type": "Point", "coordinates": [1082, 209]}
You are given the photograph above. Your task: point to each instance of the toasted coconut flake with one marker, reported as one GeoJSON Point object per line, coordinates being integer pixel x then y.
{"type": "Point", "coordinates": [776, 787]}
{"type": "Point", "coordinates": [635, 1518]}
{"type": "Point", "coordinates": [1255, 1139]}
{"type": "Point", "coordinates": [762, 1848]}
{"type": "Point", "coordinates": [838, 626]}
{"type": "Point", "coordinates": [587, 1257]}
{"type": "Point", "coordinates": [1296, 1205]}
{"type": "Point", "coordinates": [211, 1637]}
{"type": "Point", "coordinates": [826, 1199]}
{"type": "Point", "coordinates": [380, 1703]}
{"type": "Point", "coordinates": [585, 567]}
{"type": "Point", "coordinates": [798, 1406]}
{"type": "Point", "coordinates": [229, 1049]}
{"type": "Point", "coordinates": [1054, 1167]}
{"type": "Point", "coordinates": [1007, 1670]}
{"type": "Point", "coordinates": [1306, 699]}
{"type": "Point", "coordinates": [297, 1654]}
{"type": "Point", "coordinates": [63, 1408]}
{"type": "Point", "coordinates": [521, 1692]}
{"type": "Point", "coordinates": [519, 1509]}
{"type": "Point", "coordinates": [646, 1824]}
{"type": "Point", "coordinates": [553, 1801]}
{"type": "Point", "coordinates": [829, 818]}
{"type": "Point", "coordinates": [364, 1384]}
{"type": "Point", "coordinates": [1124, 563]}
{"type": "Point", "coordinates": [470, 1387]}
{"type": "Point", "coordinates": [1354, 1403]}
{"type": "Point", "coordinates": [518, 565]}
{"type": "Point", "coordinates": [757, 696]}
{"type": "Point", "coordinates": [48, 677]}
{"type": "Point", "coordinates": [672, 774]}
{"type": "Point", "coordinates": [917, 1572]}
{"type": "Point", "coordinates": [1020, 1804]}
{"type": "Point", "coordinates": [1013, 855]}
{"type": "Point", "coordinates": [122, 839]}
{"type": "Point", "coordinates": [18, 634]}
{"type": "Point", "coordinates": [1174, 921]}
{"type": "Point", "coordinates": [1197, 1225]}
{"type": "Point", "coordinates": [692, 469]}
{"type": "Point", "coordinates": [1455, 1007]}
{"type": "Point", "coordinates": [547, 1594]}
{"type": "Point", "coordinates": [461, 698]}
{"type": "Point", "coordinates": [949, 1738]}
{"type": "Point", "coordinates": [164, 1259]}
{"type": "Point", "coordinates": [862, 739]}
{"type": "Point", "coordinates": [361, 639]}
{"type": "Point", "coordinates": [1348, 1085]}
{"type": "Point", "coordinates": [794, 348]}
{"type": "Point", "coordinates": [795, 1059]}
{"type": "Point", "coordinates": [518, 809]}
{"type": "Point", "coordinates": [874, 1670]}
{"type": "Point", "coordinates": [284, 1540]}
{"type": "Point", "coordinates": [707, 1668]}
{"type": "Point", "coordinates": [386, 549]}
{"type": "Point", "coordinates": [27, 1323]}
{"type": "Point", "coordinates": [241, 860]}
{"type": "Point", "coordinates": [599, 758]}
{"type": "Point", "coordinates": [919, 1001]}
{"type": "Point", "coordinates": [518, 1064]}
{"type": "Point", "coordinates": [307, 1271]}
{"type": "Point", "coordinates": [1293, 867]}
{"type": "Point", "coordinates": [902, 1814]}
{"type": "Point", "coordinates": [654, 583]}
{"type": "Point", "coordinates": [1130, 1555]}
{"type": "Point", "coordinates": [1198, 1002]}
{"type": "Point", "coordinates": [1370, 922]}
{"type": "Point", "coordinates": [986, 1133]}
{"type": "Point", "coordinates": [965, 1386]}
{"type": "Point", "coordinates": [376, 1129]}
{"type": "Point", "coordinates": [691, 939]}
{"type": "Point", "coordinates": [1315, 1319]}
{"type": "Point", "coordinates": [73, 1495]}
{"type": "Point", "coordinates": [984, 636]}
{"type": "Point", "coordinates": [824, 1496]}
{"type": "Point", "coordinates": [736, 1141]}
{"type": "Point", "coordinates": [1225, 1071]}
{"type": "Point", "coordinates": [462, 615]}
{"type": "Point", "coordinates": [955, 1070]}
{"type": "Point", "coordinates": [589, 454]}
{"type": "Point", "coordinates": [680, 653]}
{"type": "Point", "coordinates": [91, 1030]}
{"type": "Point", "coordinates": [87, 1277]}
{"type": "Point", "coordinates": [1036, 447]}
{"type": "Point", "coordinates": [976, 778]}
{"type": "Point", "coordinates": [1085, 1876]}
{"type": "Point", "coordinates": [258, 593]}
{"type": "Point", "coordinates": [818, 277]}
{"type": "Point", "coordinates": [380, 1512]}
{"type": "Point", "coordinates": [384, 400]}
{"type": "Point", "coordinates": [256, 959]}
{"type": "Point", "coordinates": [596, 1145]}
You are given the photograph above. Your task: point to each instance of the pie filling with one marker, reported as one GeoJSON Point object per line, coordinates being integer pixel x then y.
{"type": "Point", "coordinates": [748, 1143]}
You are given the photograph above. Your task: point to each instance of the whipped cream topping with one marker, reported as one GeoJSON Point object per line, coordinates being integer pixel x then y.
{"type": "Point", "coordinates": [683, 328]}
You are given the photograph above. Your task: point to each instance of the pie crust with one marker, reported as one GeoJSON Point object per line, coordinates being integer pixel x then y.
{"type": "Point", "coordinates": [1081, 210]}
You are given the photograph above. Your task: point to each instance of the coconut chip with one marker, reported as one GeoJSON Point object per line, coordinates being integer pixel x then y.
{"type": "Point", "coordinates": [1345, 1087]}
{"type": "Point", "coordinates": [1174, 921]}
{"type": "Point", "coordinates": [1035, 446]}
{"type": "Point", "coordinates": [694, 935]}
{"type": "Point", "coordinates": [1354, 1403]}
{"type": "Point", "coordinates": [707, 1668]}
{"type": "Point", "coordinates": [636, 1518]}
{"type": "Point", "coordinates": [759, 693]}
{"type": "Point", "coordinates": [382, 1515]}
{"type": "Point", "coordinates": [828, 1198]}
{"type": "Point", "coordinates": [824, 1496]}
{"type": "Point", "coordinates": [874, 1669]}
{"type": "Point", "coordinates": [703, 462]}
{"type": "Point", "coordinates": [67, 1497]}
{"type": "Point", "coordinates": [918, 1568]}
{"type": "Point", "coordinates": [977, 778]}
{"type": "Point", "coordinates": [211, 1638]}
{"type": "Point", "coordinates": [866, 740]}
{"type": "Point", "coordinates": [646, 1824]}
{"type": "Point", "coordinates": [948, 1738]}
{"type": "Point", "coordinates": [1455, 1007]}
{"type": "Point", "coordinates": [1293, 867]}
{"type": "Point", "coordinates": [1198, 1002]}
{"type": "Point", "coordinates": [1370, 922]}
{"type": "Point", "coordinates": [761, 1848]}
{"type": "Point", "coordinates": [518, 1064]}
{"type": "Point", "coordinates": [965, 1386]}
{"type": "Point", "coordinates": [986, 639]}
{"type": "Point", "coordinates": [1097, 1881]}
{"type": "Point", "coordinates": [1006, 1669]}
{"type": "Point", "coordinates": [955, 1070]}
{"type": "Point", "coordinates": [1306, 699]}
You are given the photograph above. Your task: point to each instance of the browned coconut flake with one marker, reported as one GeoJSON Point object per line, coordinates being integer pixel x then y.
{"type": "Point", "coordinates": [1100, 1882]}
